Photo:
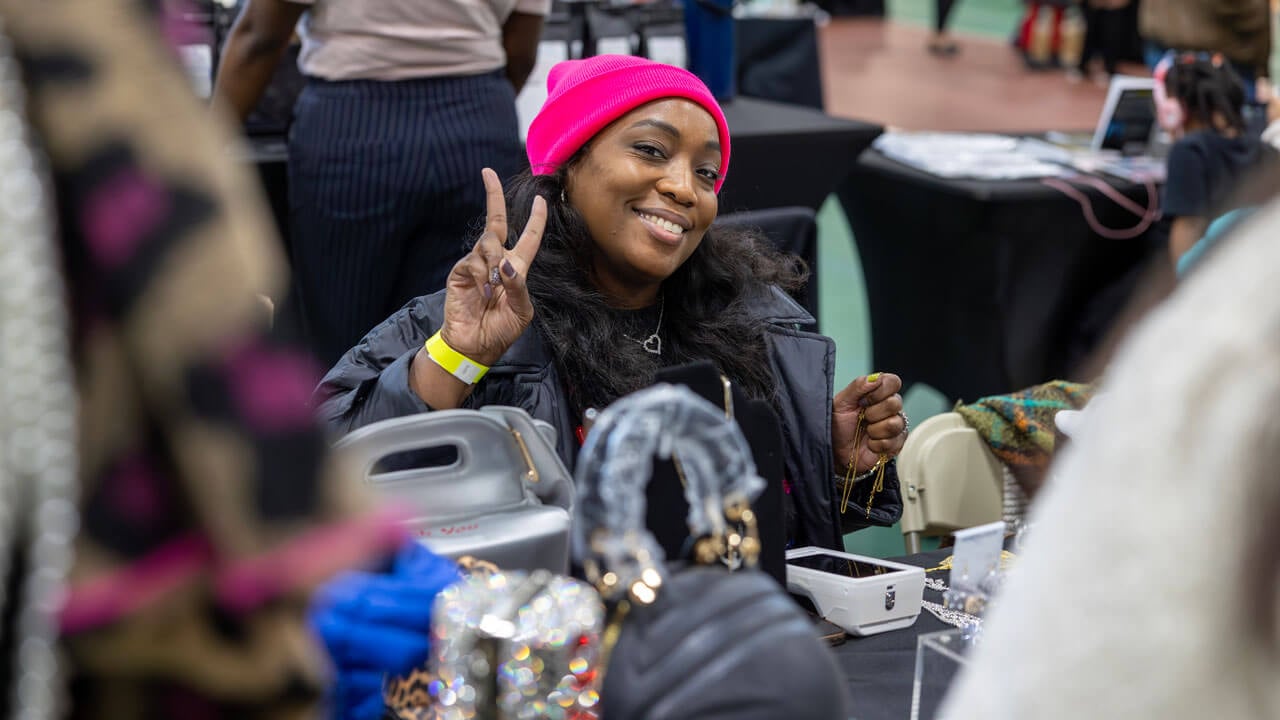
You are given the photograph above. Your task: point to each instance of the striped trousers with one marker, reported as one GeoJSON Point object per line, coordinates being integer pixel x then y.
{"type": "Point", "coordinates": [385, 193]}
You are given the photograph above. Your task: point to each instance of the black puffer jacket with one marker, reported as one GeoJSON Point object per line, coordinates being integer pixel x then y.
{"type": "Point", "coordinates": [371, 383]}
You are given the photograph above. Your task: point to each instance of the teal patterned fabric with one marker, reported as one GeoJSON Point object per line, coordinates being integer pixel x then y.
{"type": "Point", "coordinates": [1019, 427]}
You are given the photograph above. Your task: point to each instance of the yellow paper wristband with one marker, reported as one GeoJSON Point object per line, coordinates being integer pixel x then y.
{"type": "Point", "coordinates": [455, 363]}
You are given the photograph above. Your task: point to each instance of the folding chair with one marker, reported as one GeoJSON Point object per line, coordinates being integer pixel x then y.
{"type": "Point", "coordinates": [950, 480]}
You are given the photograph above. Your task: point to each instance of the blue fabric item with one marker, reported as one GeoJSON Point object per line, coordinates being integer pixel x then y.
{"type": "Point", "coordinates": [710, 44]}
{"type": "Point", "coordinates": [1212, 234]}
{"type": "Point", "coordinates": [378, 624]}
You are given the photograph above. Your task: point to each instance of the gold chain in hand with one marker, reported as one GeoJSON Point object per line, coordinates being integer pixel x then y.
{"type": "Point", "coordinates": [848, 475]}
{"type": "Point", "coordinates": [879, 484]}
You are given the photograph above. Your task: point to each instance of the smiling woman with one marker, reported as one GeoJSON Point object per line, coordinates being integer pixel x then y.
{"type": "Point", "coordinates": [617, 274]}
{"type": "Point", "coordinates": [647, 193]}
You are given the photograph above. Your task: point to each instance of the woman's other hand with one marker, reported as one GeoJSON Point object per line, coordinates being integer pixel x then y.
{"type": "Point", "coordinates": [486, 306]}
{"type": "Point", "coordinates": [876, 398]}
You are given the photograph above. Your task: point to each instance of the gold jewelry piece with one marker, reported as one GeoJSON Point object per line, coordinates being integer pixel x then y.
{"type": "Point", "coordinates": [737, 547]}
{"type": "Point", "coordinates": [728, 396]}
{"type": "Point", "coordinates": [848, 474]}
{"type": "Point", "coordinates": [1006, 561]}
{"type": "Point", "coordinates": [473, 566]}
{"type": "Point", "coordinates": [850, 480]}
{"type": "Point", "coordinates": [609, 638]}
{"type": "Point", "coordinates": [879, 485]}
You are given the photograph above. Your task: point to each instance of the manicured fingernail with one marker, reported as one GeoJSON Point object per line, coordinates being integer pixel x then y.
{"type": "Point", "coordinates": [873, 377]}
{"type": "Point", "coordinates": [488, 291]}
{"type": "Point", "coordinates": [508, 268]}
{"type": "Point", "coordinates": [494, 279]}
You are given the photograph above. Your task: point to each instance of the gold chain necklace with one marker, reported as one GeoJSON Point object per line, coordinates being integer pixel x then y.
{"type": "Point", "coordinates": [850, 480]}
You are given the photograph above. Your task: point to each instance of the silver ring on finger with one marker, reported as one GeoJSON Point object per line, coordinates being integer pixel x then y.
{"type": "Point", "coordinates": [906, 424]}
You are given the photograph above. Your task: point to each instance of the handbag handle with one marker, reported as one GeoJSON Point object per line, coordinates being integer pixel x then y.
{"type": "Point", "coordinates": [502, 459]}
{"type": "Point", "coordinates": [611, 541]}
{"type": "Point", "coordinates": [537, 439]}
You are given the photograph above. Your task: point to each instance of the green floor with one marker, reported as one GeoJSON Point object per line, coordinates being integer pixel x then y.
{"type": "Point", "coordinates": [990, 18]}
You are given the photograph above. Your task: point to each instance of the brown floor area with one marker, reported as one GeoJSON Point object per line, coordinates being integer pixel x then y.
{"type": "Point", "coordinates": [879, 71]}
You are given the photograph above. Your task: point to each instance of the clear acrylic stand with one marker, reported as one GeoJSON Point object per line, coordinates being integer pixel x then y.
{"type": "Point", "coordinates": [939, 658]}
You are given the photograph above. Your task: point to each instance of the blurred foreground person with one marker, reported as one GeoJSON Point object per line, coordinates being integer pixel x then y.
{"type": "Point", "coordinates": [1148, 587]}
{"type": "Point", "coordinates": [144, 393]}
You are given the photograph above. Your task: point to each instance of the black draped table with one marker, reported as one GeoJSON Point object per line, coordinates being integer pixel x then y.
{"type": "Point", "coordinates": [785, 155]}
{"type": "Point", "coordinates": [778, 59]}
{"type": "Point", "coordinates": [985, 287]}
{"type": "Point", "coordinates": [880, 669]}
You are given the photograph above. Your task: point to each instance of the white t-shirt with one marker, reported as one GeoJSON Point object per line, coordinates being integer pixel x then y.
{"type": "Point", "coordinates": [403, 39]}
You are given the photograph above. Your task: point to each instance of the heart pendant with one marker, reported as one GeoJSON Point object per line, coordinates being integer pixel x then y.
{"type": "Point", "coordinates": [652, 344]}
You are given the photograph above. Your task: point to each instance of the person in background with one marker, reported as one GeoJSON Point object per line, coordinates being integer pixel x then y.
{"type": "Point", "coordinates": [1199, 101]}
{"type": "Point", "coordinates": [202, 509]}
{"type": "Point", "coordinates": [1106, 38]}
{"type": "Point", "coordinates": [940, 42]}
{"type": "Point", "coordinates": [404, 104]}
{"type": "Point", "coordinates": [1238, 29]}
{"type": "Point", "coordinates": [627, 158]}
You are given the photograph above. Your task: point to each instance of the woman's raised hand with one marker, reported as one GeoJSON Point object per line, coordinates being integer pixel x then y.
{"type": "Point", "coordinates": [487, 305]}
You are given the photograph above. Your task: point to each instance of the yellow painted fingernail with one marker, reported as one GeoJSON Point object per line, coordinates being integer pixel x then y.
{"type": "Point", "coordinates": [873, 377]}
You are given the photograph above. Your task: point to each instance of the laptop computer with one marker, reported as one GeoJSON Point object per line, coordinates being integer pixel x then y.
{"type": "Point", "coordinates": [1127, 122]}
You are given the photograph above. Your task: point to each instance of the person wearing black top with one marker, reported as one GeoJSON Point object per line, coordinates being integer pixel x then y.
{"type": "Point", "coordinates": [1201, 106]}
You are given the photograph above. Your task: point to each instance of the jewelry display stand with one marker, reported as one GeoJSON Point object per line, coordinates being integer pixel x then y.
{"type": "Point", "coordinates": [940, 656]}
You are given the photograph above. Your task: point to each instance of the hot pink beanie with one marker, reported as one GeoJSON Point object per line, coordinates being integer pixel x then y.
{"type": "Point", "coordinates": [584, 96]}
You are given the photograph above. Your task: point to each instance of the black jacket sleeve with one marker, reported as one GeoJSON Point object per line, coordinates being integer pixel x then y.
{"type": "Point", "coordinates": [371, 382]}
{"type": "Point", "coordinates": [886, 505]}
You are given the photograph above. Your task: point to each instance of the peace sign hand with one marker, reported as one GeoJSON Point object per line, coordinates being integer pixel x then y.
{"type": "Point", "coordinates": [487, 306]}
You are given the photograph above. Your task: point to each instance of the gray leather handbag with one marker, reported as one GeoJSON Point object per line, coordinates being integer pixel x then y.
{"type": "Point", "coordinates": [505, 497]}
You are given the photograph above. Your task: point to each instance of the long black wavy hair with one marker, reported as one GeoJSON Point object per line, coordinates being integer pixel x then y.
{"type": "Point", "coordinates": [705, 302]}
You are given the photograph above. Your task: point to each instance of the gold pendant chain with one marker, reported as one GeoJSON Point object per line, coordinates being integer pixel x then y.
{"type": "Point", "coordinates": [849, 479]}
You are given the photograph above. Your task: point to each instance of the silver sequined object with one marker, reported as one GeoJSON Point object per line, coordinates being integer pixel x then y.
{"type": "Point", "coordinates": [949, 615]}
{"type": "Point", "coordinates": [523, 645]}
{"type": "Point", "coordinates": [37, 412]}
